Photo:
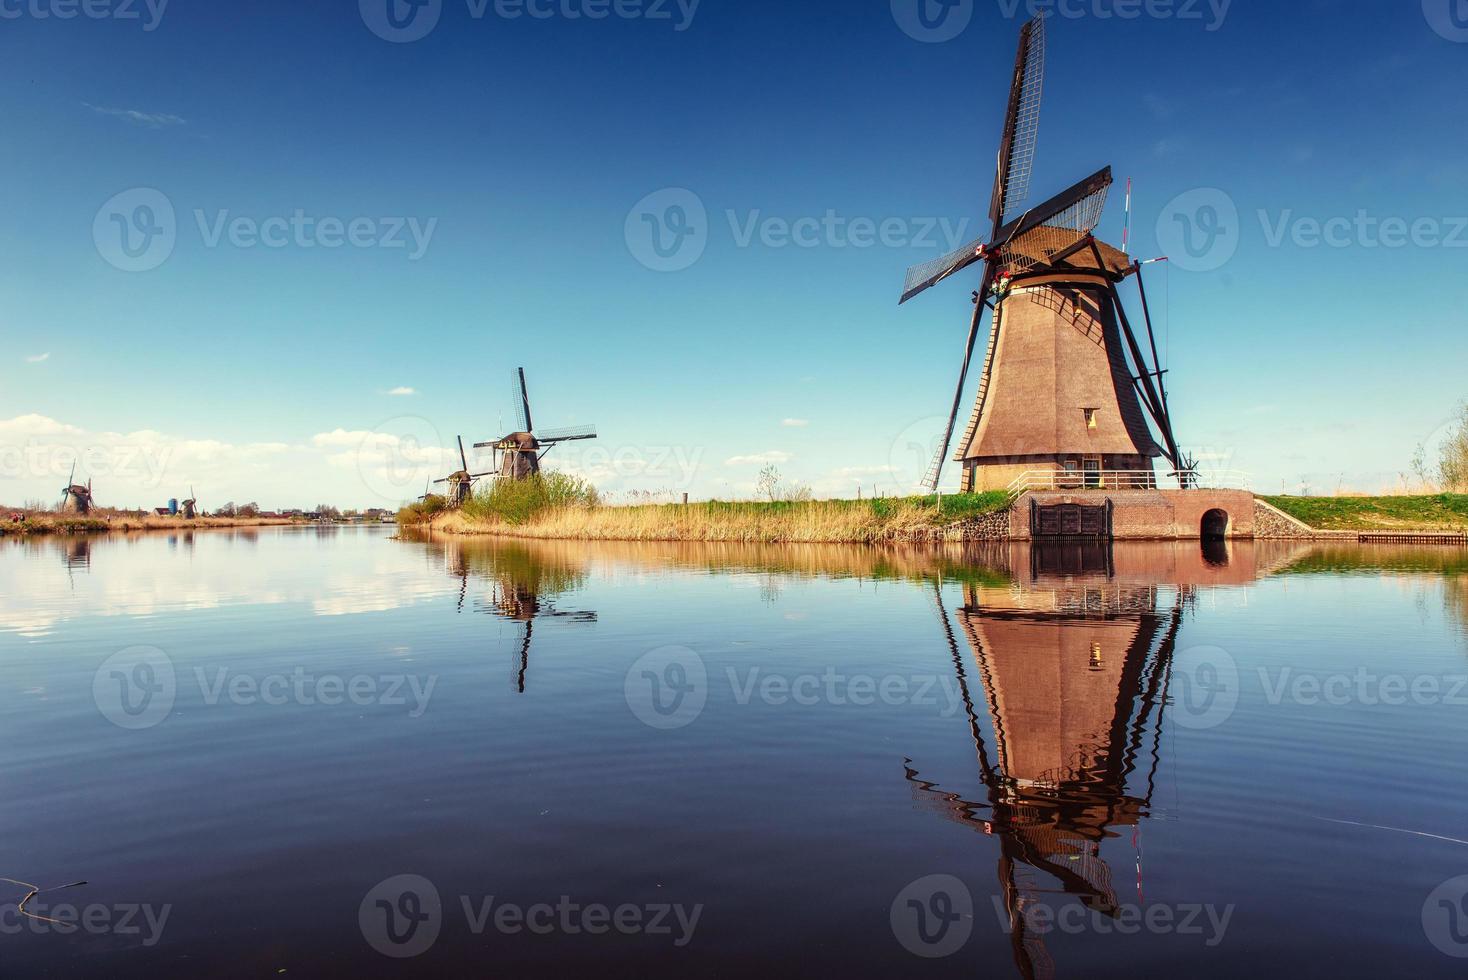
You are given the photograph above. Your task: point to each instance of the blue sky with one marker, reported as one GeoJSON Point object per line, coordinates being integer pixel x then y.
{"type": "Point", "coordinates": [518, 147]}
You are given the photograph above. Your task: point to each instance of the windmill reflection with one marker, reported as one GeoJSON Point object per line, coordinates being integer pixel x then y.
{"type": "Point", "coordinates": [1064, 698]}
{"type": "Point", "coordinates": [526, 585]}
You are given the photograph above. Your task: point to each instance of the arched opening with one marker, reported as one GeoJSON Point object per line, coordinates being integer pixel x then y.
{"type": "Point", "coordinates": [1215, 525]}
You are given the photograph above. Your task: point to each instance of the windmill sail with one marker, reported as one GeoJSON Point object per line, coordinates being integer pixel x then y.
{"type": "Point", "coordinates": [521, 400]}
{"type": "Point", "coordinates": [566, 434]}
{"type": "Point", "coordinates": [1021, 123]}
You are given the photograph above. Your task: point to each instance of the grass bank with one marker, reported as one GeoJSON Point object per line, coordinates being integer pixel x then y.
{"type": "Point", "coordinates": [811, 521]}
{"type": "Point", "coordinates": [1437, 512]}
{"type": "Point", "coordinates": [62, 524]}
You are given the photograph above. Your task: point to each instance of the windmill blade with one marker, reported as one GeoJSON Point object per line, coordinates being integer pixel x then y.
{"type": "Point", "coordinates": [1054, 226]}
{"type": "Point", "coordinates": [935, 471]}
{"type": "Point", "coordinates": [521, 401]}
{"type": "Point", "coordinates": [71, 478]}
{"type": "Point", "coordinates": [462, 458]}
{"type": "Point", "coordinates": [928, 274]}
{"type": "Point", "coordinates": [1021, 123]}
{"type": "Point", "coordinates": [567, 434]}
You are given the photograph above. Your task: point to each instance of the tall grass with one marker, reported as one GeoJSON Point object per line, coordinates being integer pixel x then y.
{"type": "Point", "coordinates": [857, 521]}
{"type": "Point", "coordinates": [422, 511]}
{"type": "Point", "coordinates": [517, 502]}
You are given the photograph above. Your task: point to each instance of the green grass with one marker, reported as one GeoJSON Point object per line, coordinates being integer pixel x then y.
{"type": "Point", "coordinates": [956, 507]}
{"type": "Point", "coordinates": [421, 511]}
{"type": "Point", "coordinates": [517, 501]}
{"type": "Point", "coordinates": [1444, 511]}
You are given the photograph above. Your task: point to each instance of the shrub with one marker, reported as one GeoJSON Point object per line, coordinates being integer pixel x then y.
{"type": "Point", "coordinates": [422, 511]}
{"type": "Point", "coordinates": [517, 501]}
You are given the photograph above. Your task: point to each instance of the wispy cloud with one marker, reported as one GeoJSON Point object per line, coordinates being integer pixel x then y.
{"type": "Point", "coordinates": [38, 358]}
{"type": "Point", "coordinates": [855, 471]}
{"type": "Point", "coordinates": [795, 423]}
{"type": "Point", "coordinates": [152, 120]}
{"type": "Point", "coordinates": [402, 390]}
{"type": "Point", "coordinates": [768, 456]}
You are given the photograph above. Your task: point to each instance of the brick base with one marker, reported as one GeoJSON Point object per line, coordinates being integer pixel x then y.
{"type": "Point", "coordinates": [1147, 514]}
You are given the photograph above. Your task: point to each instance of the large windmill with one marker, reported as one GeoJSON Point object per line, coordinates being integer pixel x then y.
{"type": "Point", "coordinates": [1065, 386]}
{"type": "Point", "coordinates": [75, 498]}
{"type": "Point", "coordinates": [519, 453]}
{"type": "Point", "coordinates": [460, 484]}
{"type": "Point", "coordinates": [190, 505]}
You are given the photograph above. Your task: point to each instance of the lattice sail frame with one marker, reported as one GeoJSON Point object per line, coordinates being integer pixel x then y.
{"type": "Point", "coordinates": [1037, 245]}
{"type": "Point", "coordinates": [1027, 121]}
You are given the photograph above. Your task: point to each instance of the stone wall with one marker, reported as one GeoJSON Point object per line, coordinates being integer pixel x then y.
{"type": "Point", "coordinates": [1143, 515]}
{"type": "Point", "coordinates": [986, 527]}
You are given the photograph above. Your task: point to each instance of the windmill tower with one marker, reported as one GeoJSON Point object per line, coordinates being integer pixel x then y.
{"type": "Point", "coordinates": [519, 453]}
{"type": "Point", "coordinates": [190, 505]}
{"type": "Point", "coordinates": [75, 498]}
{"type": "Point", "coordinates": [460, 484]}
{"type": "Point", "coordinates": [1065, 384]}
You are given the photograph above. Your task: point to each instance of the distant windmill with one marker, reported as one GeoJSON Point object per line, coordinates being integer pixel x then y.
{"type": "Point", "coordinates": [190, 504]}
{"type": "Point", "coordinates": [75, 498]}
{"type": "Point", "coordinates": [520, 452]}
{"type": "Point", "coordinates": [460, 484]}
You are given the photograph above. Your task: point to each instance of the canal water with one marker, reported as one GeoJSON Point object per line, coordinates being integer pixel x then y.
{"type": "Point", "coordinates": [328, 751]}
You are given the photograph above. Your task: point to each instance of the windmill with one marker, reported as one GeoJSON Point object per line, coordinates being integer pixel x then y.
{"type": "Point", "coordinates": [1057, 390]}
{"type": "Point", "coordinates": [461, 484]}
{"type": "Point", "coordinates": [75, 498]}
{"type": "Point", "coordinates": [519, 453]}
{"type": "Point", "coordinates": [190, 504]}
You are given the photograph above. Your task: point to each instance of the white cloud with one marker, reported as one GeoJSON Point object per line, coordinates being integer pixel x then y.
{"type": "Point", "coordinates": [153, 120]}
{"type": "Point", "coordinates": [795, 423]}
{"type": "Point", "coordinates": [38, 358]}
{"type": "Point", "coordinates": [402, 390]}
{"type": "Point", "coordinates": [768, 456]}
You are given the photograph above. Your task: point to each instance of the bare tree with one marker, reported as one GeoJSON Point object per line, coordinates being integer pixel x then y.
{"type": "Point", "coordinates": [768, 484]}
{"type": "Point", "coordinates": [1449, 472]}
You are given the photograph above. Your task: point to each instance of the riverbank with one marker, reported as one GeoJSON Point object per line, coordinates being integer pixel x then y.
{"type": "Point", "coordinates": [75, 524]}
{"type": "Point", "coordinates": [962, 517]}
{"type": "Point", "coordinates": [1434, 512]}
{"type": "Point", "coordinates": [908, 519]}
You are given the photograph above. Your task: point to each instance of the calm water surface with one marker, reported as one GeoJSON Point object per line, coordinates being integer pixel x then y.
{"type": "Point", "coordinates": [317, 752]}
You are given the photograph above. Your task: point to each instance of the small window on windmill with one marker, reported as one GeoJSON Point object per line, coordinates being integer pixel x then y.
{"type": "Point", "coordinates": [1091, 417]}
